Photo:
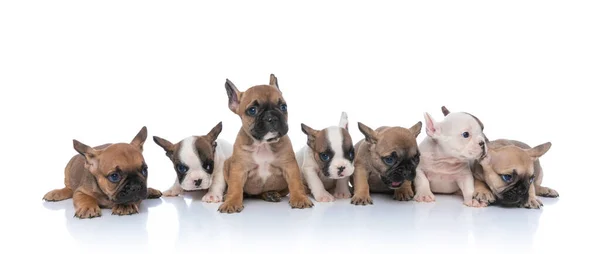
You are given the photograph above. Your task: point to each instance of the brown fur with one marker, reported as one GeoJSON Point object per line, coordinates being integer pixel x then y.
{"type": "Point", "coordinates": [240, 171]}
{"type": "Point", "coordinates": [503, 157]}
{"type": "Point", "coordinates": [85, 175]}
{"type": "Point", "coordinates": [368, 165]}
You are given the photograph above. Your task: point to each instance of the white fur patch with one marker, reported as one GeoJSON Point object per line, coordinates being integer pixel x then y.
{"type": "Point", "coordinates": [336, 141]}
{"type": "Point", "coordinates": [189, 156]}
{"type": "Point", "coordinates": [263, 157]}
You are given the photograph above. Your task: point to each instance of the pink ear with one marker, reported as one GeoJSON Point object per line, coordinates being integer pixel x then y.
{"type": "Point", "coordinates": [431, 127]}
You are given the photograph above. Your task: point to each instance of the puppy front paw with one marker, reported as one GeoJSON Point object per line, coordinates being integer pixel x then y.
{"type": "Point", "coordinates": [533, 203]}
{"type": "Point", "coordinates": [324, 197]}
{"type": "Point", "coordinates": [361, 200]}
{"type": "Point", "coordinates": [300, 201]}
{"type": "Point", "coordinates": [127, 209]}
{"type": "Point", "coordinates": [171, 193]}
{"type": "Point", "coordinates": [424, 197]}
{"type": "Point", "coordinates": [404, 194]}
{"type": "Point", "coordinates": [212, 198]}
{"type": "Point", "coordinates": [231, 207]}
{"type": "Point", "coordinates": [484, 196]}
{"type": "Point", "coordinates": [342, 194]}
{"type": "Point", "coordinates": [474, 203]}
{"type": "Point", "coordinates": [88, 212]}
{"type": "Point", "coordinates": [153, 193]}
{"type": "Point", "coordinates": [546, 192]}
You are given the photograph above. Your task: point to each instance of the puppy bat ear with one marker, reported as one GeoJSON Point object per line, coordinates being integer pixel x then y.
{"type": "Point", "coordinates": [233, 94]}
{"type": "Point", "coordinates": [140, 138]}
{"type": "Point", "coordinates": [370, 134]}
{"type": "Point", "coordinates": [416, 129]}
{"type": "Point", "coordinates": [214, 133]}
{"type": "Point", "coordinates": [539, 150]}
{"type": "Point", "coordinates": [344, 121]}
{"type": "Point", "coordinates": [445, 111]}
{"type": "Point", "coordinates": [431, 126]}
{"type": "Point", "coordinates": [90, 154]}
{"type": "Point", "coordinates": [273, 81]}
{"type": "Point", "coordinates": [165, 144]}
{"type": "Point", "coordinates": [311, 134]}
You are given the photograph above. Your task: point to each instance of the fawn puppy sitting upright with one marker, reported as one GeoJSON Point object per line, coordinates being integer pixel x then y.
{"type": "Point", "coordinates": [263, 162]}
{"type": "Point", "coordinates": [110, 176]}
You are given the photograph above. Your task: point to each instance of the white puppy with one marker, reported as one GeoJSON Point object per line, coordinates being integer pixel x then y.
{"type": "Point", "coordinates": [198, 162]}
{"type": "Point", "coordinates": [326, 161]}
{"type": "Point", "coordinates": [446, 155]}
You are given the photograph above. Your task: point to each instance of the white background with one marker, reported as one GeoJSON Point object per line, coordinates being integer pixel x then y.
{"type": "Point", "coordinates": [99, 71]}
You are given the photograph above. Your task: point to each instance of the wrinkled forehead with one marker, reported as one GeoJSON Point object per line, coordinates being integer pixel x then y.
{"type": "Point", "coordinates": [262, 94]}
{"type": "Point", "coordinates": [459, 122]}
{"type": "Point", "coordinates": [123, 155]}
{"type": "Point", "coordinates": [397, 140]}
{"type": "Point", "coordinates": [511, 157]}
{"type": "Point", "coordinates": [333, 138]}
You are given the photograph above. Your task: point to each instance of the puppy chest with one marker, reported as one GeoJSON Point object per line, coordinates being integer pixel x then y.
{"type": "Point", "coordinates": [263, 157]}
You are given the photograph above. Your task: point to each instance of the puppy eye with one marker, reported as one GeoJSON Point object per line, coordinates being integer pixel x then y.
{"type": "Point", "coordinates": [252, 111]}
{"type": "Point", "coordinates": [389, 160]}
{"type": "Point", "coordinates": [465, 134]}
{"type": "Point", "coordinates": [114, 177]}
{"type": "Point", "coordinates": [324, 157]}
{"type": "Point", "coordinates": [208, 166]}
{"type": "Point", "coordinates": [351, 155]}
{"type": "Point", "coordinates": [182, 168]}
{"type": "Point", "coordinates": [506, 178]}
{"type": "Point", "coordinates": [144, 170]}
{"type": "Point", "coordinates": [283, 107]}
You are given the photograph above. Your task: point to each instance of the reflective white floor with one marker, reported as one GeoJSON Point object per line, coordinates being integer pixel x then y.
{"type": "Point", "coordinates": [187, 225]}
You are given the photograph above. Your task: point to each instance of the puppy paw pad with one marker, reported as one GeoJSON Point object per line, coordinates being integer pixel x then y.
{"type": "Point", "coordinates": [360, 200]}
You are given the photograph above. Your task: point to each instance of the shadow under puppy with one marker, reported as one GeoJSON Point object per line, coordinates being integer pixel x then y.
{"type": "Point", "coordinates": [326, 161]}
{"type": "Point", "coordinates": [107, 176]}
{"type": "Point", "coordinates": [510, 174]}
{"type": "Point", "coordinates": [198, 162]}
{"type": "Point", "coordinates": [386, 160]}
{"type": "Point", "coordinates": [263, 161]}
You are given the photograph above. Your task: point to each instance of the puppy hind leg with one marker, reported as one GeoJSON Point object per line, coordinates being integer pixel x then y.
{"type": "Point", "coordinates": [58, 195]}
{"type": "Point", "coordinates": [271, 196]}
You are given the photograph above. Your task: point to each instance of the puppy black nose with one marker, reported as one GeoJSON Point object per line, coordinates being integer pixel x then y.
{"type": "Point", "coordinates": [341, 170]}
{"type": "Point", "coordinates": [197, 182]}
{"type": "Point", "coordinates": [269, 117]}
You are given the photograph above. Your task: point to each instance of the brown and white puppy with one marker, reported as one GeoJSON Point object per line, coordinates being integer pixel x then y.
{"type": "Point", "coordinates": [513, 173]}
{"type": "Point", "coordinates": [326, 161]}
{"type": "Point", "coordinates": [263, 161]}
{"type": "Point", "coordinates": [107, 176]}
{"type": "Point", "coordinates": [198, 162]}
{"type": "Point", "coordinates": [386, 161]}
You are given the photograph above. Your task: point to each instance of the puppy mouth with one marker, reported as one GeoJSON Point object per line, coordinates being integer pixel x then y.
{"type": "Point", "coordinates": [396, 184]}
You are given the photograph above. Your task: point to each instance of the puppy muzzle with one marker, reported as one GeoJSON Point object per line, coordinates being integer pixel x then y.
{"type": "Point", "coordinates": [517, 195]}
{"type": "Point", "coordinates": [132, 191]}
{"type": "Point", "coordinates": [393, 178]}
{"type": "Point", "coordinates": [270, 125]}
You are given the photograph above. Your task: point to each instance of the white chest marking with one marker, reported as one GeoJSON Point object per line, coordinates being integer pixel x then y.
{"type": "Point", "coordinates": [263, 157]}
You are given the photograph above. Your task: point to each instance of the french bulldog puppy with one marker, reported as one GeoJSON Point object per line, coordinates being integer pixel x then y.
{"type": "Point", "coordinates": [263, 162]}
{"type": "Point", "coordinates": [326, 161]}
{"type": "Point", "coordinates": [198, 162]}
{"type": "Point", "coordinates": [446, 157]}
{"type": "Point", "coordinates": [386, 160]}
{"type": "Point", "coordinates": [494, 178]}
{"type": "Point", "coordinates": [108, 176]}
{"type": "Point", "coordinates": [512, 172]}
